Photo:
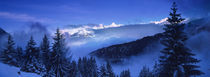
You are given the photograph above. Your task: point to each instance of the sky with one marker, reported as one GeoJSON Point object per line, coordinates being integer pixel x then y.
{"type": "Point", "coordinates": [54, 13]}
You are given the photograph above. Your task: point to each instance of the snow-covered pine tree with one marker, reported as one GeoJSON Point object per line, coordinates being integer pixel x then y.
{"type": "Point", "coordinates": [103, 71]}
{"type": "Point", "coordinates": [145, 72]}
{"type": "Point", "coordinates": [176, 53]}
{"type": "Point", "coordinates": [31, 62]}
{"type": "Point", "coordinates": [125, 73]}
{"type": "Point", "coordinates": [8, 55]}
{"type": "Point", "coordinates": [109, 70]}
{"type": "Point", "coordinates": [45, 54]}
{"type": "Point", "coordinates": [19, 56]}
{"type": "Point", "coordinates": [59, 62]}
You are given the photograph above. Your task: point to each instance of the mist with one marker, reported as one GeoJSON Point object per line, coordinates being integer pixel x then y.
{"type": "Point", "coordinates": [110, 36]}
{"type": "Point", "coordinates": [35, 29]}
{"type": "Point", "coordinates": [199, 44]}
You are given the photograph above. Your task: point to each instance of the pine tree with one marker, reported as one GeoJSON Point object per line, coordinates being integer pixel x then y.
{"type": "Point", "coordinates": [125, 73]}
{"type": "Point", "coordinates": [109, 70]}
{"type": "Point", "coordinates": [73, 72]}
{"type": "Point", "coordinates": [45, 54]}
{"type": "Point", "coordinates": [31, 62]}
{"type": "Point", "coordinates": [103, 71]}
{"type": "Point", "coordinates": [79, 65]}
{"type": "Point", "coordinates": [58, 58]}
{"type": "Point", "coordinates": [93, 67]}
{"type": "Point", "coordinates": [8, 55]}
{"type": "Point", "coordinates": [156, 70]}
{"type": "Point", "coordinates": [176, 53]}
{"type": "Point", "coordinates": [82, 66]}
{"type": "Point", "coordinates": [145, 72]}
{"type": "Point", "coordinates": [19, 56]}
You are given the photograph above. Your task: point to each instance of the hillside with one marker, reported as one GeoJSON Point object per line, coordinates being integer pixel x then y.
{"type": "Point", "coordinates": [127, 49]}
{"type": "Point", "coordinates": [133, 48]}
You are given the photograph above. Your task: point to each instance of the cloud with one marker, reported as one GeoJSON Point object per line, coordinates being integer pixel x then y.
{"type": "Point", "coordinates": [78, 32]}
{"type": "Point", "coordinates": [24, 17]}
{"type": "Point", "coordinates": [162, 21]}
{"type": "Point", "coordinates": [113, 25]}
{"type": "Point", "coordinates": [101, 26]}
{"type": "Point", "coordinates": [35, 29]}
{"type": "Point", "coordinates": [86, 30]}
{"type": "Point", "coordinates": [78, 43]}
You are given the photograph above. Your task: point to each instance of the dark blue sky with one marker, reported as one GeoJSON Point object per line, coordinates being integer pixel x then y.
{"type": "Point", "coordinates": [64, 12]}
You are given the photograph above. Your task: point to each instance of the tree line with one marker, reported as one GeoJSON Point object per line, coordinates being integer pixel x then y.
{"type": "Point", "coordinates": [54, 61]}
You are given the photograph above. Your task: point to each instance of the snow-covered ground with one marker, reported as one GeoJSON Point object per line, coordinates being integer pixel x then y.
{"type": "Point", "coordinates": [10, 71]}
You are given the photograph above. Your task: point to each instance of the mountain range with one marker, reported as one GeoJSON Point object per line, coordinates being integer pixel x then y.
{"type": "Point", "coordinates": [117, 52]}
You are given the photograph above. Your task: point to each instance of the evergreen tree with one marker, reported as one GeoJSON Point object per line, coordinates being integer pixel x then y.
{"type": "Point", "coordinates": [109, 70]}
{"type": "Point", "coordinates": [125, 73]}
{"type": "Point", "coordinates": [19, 56]}
{"type": "Point", "coordinates": [45, 54]}
{"type": "Point", "coordinates": [31, 62]}
{"type": "Point", "coordinates": [103, 71]}
{"type": "Point", "coordinates": [145, 72]}
{"type": "Point", "coordinates": [79, 65]}
{"type": "Point", "coordinates": [8, 54]}
{"type": "Point", "coordinates": [156, 70]}
{"type": "Point", "coordinates": [93, 67]}
{"type": "Point", "coordinates": [87, 67]}
{"type": "Point", "coordinates": [176, 53]}
{"type": "Point", "coordinates": [58, 58]}
{"type": "Point", "coordinates": [73, 70]}
{"type": "Point", "coordinates": [82, 67]}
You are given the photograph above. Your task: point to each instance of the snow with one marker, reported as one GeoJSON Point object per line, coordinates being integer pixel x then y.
{"type": "Point", "coordinates": [11, 71]}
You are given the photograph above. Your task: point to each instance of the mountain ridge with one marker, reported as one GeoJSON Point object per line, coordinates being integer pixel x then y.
{"type": "Point", "coordinates": [136, 47]}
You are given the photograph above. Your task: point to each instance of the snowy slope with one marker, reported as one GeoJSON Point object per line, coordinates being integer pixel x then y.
{"type": "Point", "coordinates": [10, 71]}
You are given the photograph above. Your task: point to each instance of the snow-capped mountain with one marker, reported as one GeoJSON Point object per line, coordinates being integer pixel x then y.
{"type": "Point", "coordinates": [86, 30]}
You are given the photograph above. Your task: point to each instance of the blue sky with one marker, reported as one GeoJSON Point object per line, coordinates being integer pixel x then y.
{"type": "Point", "coordinates": [64, 12]}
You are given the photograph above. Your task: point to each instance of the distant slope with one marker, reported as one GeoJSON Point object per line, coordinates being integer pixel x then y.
{"type": "Point", "coordinates": [133, 48]}
{"type": "Point", "coordinates": [126, 49]}
{"type": "Point", "coordinates": [111, 36]}
{"type": "Point", "coordinates": [198, 25]}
